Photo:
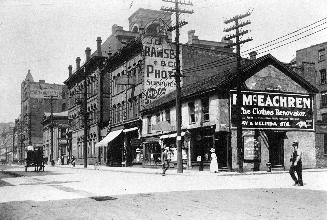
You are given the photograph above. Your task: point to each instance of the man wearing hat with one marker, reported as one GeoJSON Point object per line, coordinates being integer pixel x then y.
{"type": "Point", "coordinates": [165, 160]}
{"type": "Point", "coordinates": [296, 166]}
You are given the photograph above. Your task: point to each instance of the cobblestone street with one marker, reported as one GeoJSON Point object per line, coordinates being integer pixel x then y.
{"type": "Point", "coordinates": [136, 193]}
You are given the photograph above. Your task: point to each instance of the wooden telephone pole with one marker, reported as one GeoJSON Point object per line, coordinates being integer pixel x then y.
{"type": "Point", "coordinates": [177, 76]}
{"type": "Point", "coordinates": [236, 19]}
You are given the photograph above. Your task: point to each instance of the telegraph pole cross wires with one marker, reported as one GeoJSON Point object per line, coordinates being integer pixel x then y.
{"type": "Point", "coordinates": [239, 101]}
{"type": "Point", "coordinates": [177, 76]}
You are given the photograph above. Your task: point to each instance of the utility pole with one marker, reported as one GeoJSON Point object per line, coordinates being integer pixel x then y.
{"type": "Point", "coordinates": [51, 126]}
{"type": "Point", "coordinates": [239, 100]}
{"type": "Point", "coordinates": [177, 76]}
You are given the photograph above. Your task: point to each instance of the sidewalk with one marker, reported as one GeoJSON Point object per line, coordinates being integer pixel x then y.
{"type": "Point", "coordinates": [173, 171]}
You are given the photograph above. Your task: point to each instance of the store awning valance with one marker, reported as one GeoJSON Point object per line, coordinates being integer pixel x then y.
{"type": "Point", "coordinates": [171, 135]}
{"type": "Point", "coordinates": [130, 129]}
{"type": "Point", "coordinates": [111, 136]}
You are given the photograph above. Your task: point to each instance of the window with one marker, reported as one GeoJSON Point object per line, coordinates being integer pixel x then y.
{"type": "Point", "coordinates": [167, 113]}
{"type": "Point", "coordinates": [323, 100]}
{"type": "Point", "coordinates": [157, 118]}
{"type": "Point", "coordinates": [63, 107]}
{"type": "Point", "coordinates": [118, 113]}
{"type": "Point", "coordinates": [324, 117]}
{"type": "Point", "coordinates": [191, 112]}
{"type": "Point", "coordinates": [323, 76]}
{"type": "Point", "coordinates": [205, 108]}
{"type": "Point", "coordinates": [321, 55]}
{"type": "Point", "coordinates": [149, 124]}
{"type": "Point", "coordinates": [325, 144]}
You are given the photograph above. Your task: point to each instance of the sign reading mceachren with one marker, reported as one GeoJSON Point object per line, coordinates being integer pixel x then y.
{"type": "Point", "coordinates": [270, 110]}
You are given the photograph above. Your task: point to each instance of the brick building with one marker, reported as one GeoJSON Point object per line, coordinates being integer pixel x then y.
{"type": "Point", "coordinates": [142, 72]}
{"type": "Point", "coordinates": [278, 108]}
{"type": "Point", "coordinates": [311, 63]}
{"type": "Point", "coordinates": [37, 98]}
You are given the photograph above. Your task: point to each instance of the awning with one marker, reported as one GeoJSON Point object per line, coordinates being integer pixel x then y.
{"type": "Point", "coordinates": [171, 135]}
{"type": "Point", "coordinates": [112, 135]}
{"type": "Point", "coordinates": [130, 129]}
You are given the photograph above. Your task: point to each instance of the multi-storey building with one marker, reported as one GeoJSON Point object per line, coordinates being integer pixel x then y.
{"type": "Point", "coordinates": [97, 94]}
{"type": "Point", "coordinates": [37, 98]}
{"type": "Point", "coordinates": [55, 137]}
{"type": "Point", "coordinates": [6, 142]}
{"type": "Point", "coordinates": [143, 71]}
{"type": "Point", "coordinates": [277, 109]}
{"type": "Point", "coordinates": [311, 63]}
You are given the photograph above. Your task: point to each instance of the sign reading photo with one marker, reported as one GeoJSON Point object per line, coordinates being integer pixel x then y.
{"type": "Point", "coordinates": [270, 110]}
{"type": "Point", "coordinates": [159, 68]}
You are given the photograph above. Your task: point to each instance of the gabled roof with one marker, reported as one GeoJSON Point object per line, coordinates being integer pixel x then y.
{"type": "Point", "coordinates": [226, 79]}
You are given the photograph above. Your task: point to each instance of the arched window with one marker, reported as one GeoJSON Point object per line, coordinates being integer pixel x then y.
{"type": "Point", "coordinates": [63, 107]}
{"type": "Point", "coordinates": [135, 29]}
{"type": "Point", "coordinates": [152, 29]}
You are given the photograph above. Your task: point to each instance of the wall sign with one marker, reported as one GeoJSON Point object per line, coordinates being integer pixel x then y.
{"type": "Point", "coordinates": [270, 110]}
{"type": "Point", "coordinates": [251, 148]}
{"type": "Point", "coordinates": [160, 65]}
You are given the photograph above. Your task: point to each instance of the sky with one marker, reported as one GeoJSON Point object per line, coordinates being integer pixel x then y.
{"type": "Point", "coordinates": [46, 36]}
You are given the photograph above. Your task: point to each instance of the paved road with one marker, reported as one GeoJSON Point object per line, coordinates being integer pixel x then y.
{"type": "Point", "coordinates": [66, 193]}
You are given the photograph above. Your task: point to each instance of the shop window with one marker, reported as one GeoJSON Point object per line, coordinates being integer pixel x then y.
{"type": "Point", "coordinates": [205, 108]}
{"type": "Point", "coordinates": [321, 55]}
{"type": "Point", "coordinates": [167, 113]}
{"type": "Point", "coordinates": [323, 76]}
{"type": "Point", "coordinates": [149, 125]}
{"type": "Point", "coordinates": [325, 144]}
{"type": "Point", "coordinates": [323, 100]}
{"type": "Point", "coordinates": [191, 112]}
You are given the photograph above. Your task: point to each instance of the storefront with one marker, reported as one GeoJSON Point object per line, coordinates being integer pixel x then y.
{"type": "Point", "coordinates": [277, 108]}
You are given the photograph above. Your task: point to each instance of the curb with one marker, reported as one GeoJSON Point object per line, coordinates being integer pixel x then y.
{"type": "Point", "coordinates": [192, 173]}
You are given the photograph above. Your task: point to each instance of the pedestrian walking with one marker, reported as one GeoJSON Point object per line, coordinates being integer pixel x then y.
{"type": "Point", "coordinates": [213, 162]}
{"type": "Point", "coordinates": [296, 166]}
{"type": "Point", "coordinates": [165, 161]}
{"type": "Point", "coordinates": [73, 161]}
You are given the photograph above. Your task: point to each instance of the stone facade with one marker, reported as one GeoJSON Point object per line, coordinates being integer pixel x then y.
{"type": "Point", "coordinates": [201, 132]}
{"type": "Point", "coordinates": [35, 100]}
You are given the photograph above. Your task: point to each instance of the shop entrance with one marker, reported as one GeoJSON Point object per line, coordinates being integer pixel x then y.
{"type": "Point", "coordinates": [222, 149]}
{"type": "Point", "coordinates": [276, 148]}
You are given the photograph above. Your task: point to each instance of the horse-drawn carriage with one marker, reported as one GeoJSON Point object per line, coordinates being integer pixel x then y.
{"type": "Point", "coordinates": [34, 158]}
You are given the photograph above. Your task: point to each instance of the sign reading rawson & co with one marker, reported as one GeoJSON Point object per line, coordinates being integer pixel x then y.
{"type": "Point", "coordinates": [160, 65]}
{"type": "Point", "coordinates": [271, 110]}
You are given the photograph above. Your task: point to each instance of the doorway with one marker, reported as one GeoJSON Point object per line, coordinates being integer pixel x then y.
{"type": "Point", "coordinates": [276, 148]}
{"type": "Point", "coordinates": [221, 147]}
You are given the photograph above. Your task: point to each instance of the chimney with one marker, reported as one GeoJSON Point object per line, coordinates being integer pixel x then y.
{"type": "Point", "coordinates": [99, 41]}
{"type": "Point", "coordinates": [253, 55]}
{"type": "Point", "coordinates": [78, 63]}
{"type": "Point", "coordinates": [70, 70]}
{"type": "Point", "coordinates": [88, 53]}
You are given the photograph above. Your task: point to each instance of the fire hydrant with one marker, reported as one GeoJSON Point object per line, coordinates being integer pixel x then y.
{"type": "Point", "coordinates": [268, 167]}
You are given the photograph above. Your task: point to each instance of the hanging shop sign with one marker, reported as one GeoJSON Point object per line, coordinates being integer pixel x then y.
{"type": "Point", "coordinates": [269, 110]}
{"type": "Point", "coordinates": [159, 69]}
{"type": "Point", "coordinates": [251, 148]}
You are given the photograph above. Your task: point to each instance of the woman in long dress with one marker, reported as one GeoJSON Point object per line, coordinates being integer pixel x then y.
{"type": "Point", "coordinates": [214, 162]}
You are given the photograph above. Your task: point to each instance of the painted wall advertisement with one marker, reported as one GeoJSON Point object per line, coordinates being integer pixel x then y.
{"type": "Point", "coordinates": [159, 68]}
{"type": "Point", "coordinates": [270, 110]}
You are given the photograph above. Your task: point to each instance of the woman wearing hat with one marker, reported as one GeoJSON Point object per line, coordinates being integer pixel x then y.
{"type": "Point", "coordinates": [214, 162]}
